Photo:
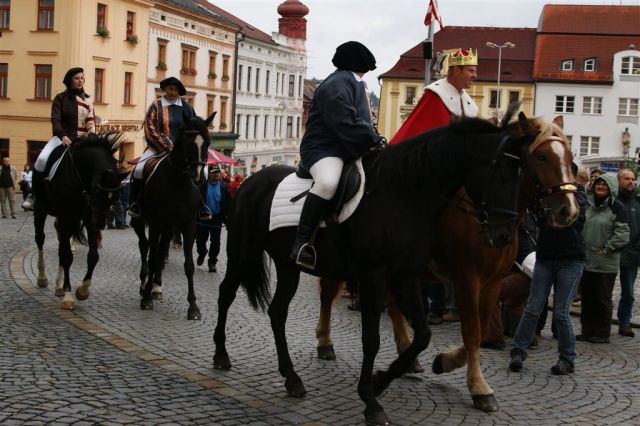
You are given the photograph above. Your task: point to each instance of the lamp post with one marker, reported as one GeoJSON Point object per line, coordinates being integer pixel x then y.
{"type": "Point", "coordinates": [499, 47]}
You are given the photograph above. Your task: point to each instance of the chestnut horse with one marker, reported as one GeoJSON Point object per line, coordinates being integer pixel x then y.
{"type": "Point", "coordinates": [474, 268]}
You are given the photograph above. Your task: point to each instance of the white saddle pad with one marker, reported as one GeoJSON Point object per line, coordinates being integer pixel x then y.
{"type": "Point", "coordinates": [285, 213]}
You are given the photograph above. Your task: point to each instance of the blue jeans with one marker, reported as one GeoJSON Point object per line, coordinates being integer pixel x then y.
{"type": "Point", "coordinates": [627, 280]}
{"type": "Point", "coordinates": [565, 273]}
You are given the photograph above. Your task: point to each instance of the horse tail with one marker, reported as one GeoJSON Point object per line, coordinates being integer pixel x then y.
{"type": "Point", "coordinates": [245, 248]}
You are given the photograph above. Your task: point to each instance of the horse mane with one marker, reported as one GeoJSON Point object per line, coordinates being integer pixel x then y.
{"type": "Point", "coordinates": [110, 141]}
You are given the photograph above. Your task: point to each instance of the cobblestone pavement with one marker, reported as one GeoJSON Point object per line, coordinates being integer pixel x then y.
{"type": "Point", "coordinates": [108, 362]}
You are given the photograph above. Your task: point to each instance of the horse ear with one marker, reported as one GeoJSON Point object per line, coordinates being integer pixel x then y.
{"type": "Point", "coordinates": [522, 117]}
{"type": "Point", "coordinates": [558, 121]}
{"type": "Point", "coordinates": [210, 119]}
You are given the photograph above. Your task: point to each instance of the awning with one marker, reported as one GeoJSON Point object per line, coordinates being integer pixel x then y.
{"type": "Point", "coordinates": [216, 157]}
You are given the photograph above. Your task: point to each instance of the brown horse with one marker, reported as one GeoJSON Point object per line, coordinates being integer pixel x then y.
{"type": "Point", "coordinates": [475, 268]}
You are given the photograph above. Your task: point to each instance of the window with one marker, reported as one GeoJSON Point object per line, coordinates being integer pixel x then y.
{"type": "Point", "coordinates": [255, 127]}
{"type": "Point", "coordinates": [238, 117]}
{"type": "Point", "coordinates": [282, 84]}
{"type": "Point", "coordinates": [246, 127]}
{"type": "Point", "coordinates": [188, 60]}
{"type": "Point", "coordinates": [292, 83]}
{"type": "Point", "coordinates": [289, 127]}
{"type": "Point", "coordinates": [4, 148]}
{"type": "Point", "coordinates": [4, 77]}
{"type": "Point", "coordinates": [567, 65]}
{"type": "Point", "coordinates": [5, 14]}
{"type": "Point", "coordinates": [128, 79]}
{"type": "Point", "coordinates": [99, 85]}
{"type": "Point", "coordinates": [590, 64]}
{"type": "Point", "coordinates": [589, 145]}
{"type": "Point", "coordinates": [131, 21]}
{"type": "Point", "coordinates": [277, 83]}
{"type": "Point", "coordinates": [514, 96]}
{"type": "Point", "coordinates": [162, 55]}
{"type": "Point", "coordinates": [266, 124]}
{"type": "Point", "coordinates": [225, 66]}
{"type": "Point", "coordinates": [211, 105]}
{"type": "Point", "coordinates": [266, 82]}
{"type": "Point", "coordinates": [298, 120]}
{"type": "Point", "coordinates": [33, 150]}
{"type": "Point", "coordinates": [257, 86]}
{"type": "Point", "coordinates": [239, 77]}
{"type": "Point", "coordinates": [631, 65]}
{"type": "Point", "coordinates": [45, 15]}
{"type": "Point", "coordinates": [101, 22]}
{"type": "Point", "coordinates": [223, 113]}
{"type": "Point", "coordinates": [43, 81]}
{"type": "Point", "coordinates": [628, 106]}
{"type": "Point", "coordinates": [592, 105]}
{"type": "Point", "coordinates": [248, 79]}
{"type": "Point", "coordinates": [190, 98]}
{"type": "Point", "coordinates": [212, 63]}
{"type": "Point", "coordinates": [493, 99]}
{"type": "Point", "coordinates": [411, 94]}
{"type": "Point", "coordinates": [300, 86]}
{"type": "Point", "coordinates": [565, 103]}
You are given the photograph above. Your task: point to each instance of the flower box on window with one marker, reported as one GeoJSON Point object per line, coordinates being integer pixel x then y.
{"type": "Point", "coordinates": [223, 126]}
{"type": "Point", "coordinates": [102, 31]}
{"type": "Point", "coordinates": [132, 38]}
{"type": "Point", "coordinates": [188, 71]}
{"type": "Point", "coordinates": [161, 66]}
{"type": "Point", "coordinates": [225, 78]}
{"type": "Point", "coordinates": [212, 75]}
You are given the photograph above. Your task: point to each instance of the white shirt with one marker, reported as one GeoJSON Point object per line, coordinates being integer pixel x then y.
{"type": "Point", "coordinates": [166, 102]}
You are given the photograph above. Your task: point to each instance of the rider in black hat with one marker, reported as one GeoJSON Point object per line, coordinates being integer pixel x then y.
{"type": "Point", "coordinates": [339, 129]}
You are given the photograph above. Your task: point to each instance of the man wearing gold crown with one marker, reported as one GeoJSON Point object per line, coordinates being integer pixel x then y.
{"type": "Point", "coordinates": [445, 98]}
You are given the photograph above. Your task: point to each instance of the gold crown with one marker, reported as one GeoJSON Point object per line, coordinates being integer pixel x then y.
{"type": "Point", "coordinates": [461, 57]}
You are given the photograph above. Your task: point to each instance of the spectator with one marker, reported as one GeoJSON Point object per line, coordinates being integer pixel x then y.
{"type": "Point", "coordinates": [630, 257]}
{"type": "Point", "coordinates": [216, 198]}
{"type": "Point", "coordinates": [605, 233]}
{"type": "Point", "coordinates": [594, 174]}
{"type": "Point", "coordinates": [237, 181]}
{"type": "Point", "coordinates": [7, 187]}
{"type": "Point", "coordinates": [25, 181]}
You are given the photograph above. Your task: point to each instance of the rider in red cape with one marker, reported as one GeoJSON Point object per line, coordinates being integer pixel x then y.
{"type": "Point", "coordinates": [444, 98]}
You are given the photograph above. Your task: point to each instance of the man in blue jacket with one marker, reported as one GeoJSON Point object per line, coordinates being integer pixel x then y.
{"type": "Point", "coordinates": [630, 257]}
{"type": "Point", "coordinates": [216, 199]}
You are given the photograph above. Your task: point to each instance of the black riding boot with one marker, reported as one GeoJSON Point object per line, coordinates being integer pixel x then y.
{"type": "Point", "coordinates": [135, 191]}
{"type": "Point", "coordinates": [303, 252]}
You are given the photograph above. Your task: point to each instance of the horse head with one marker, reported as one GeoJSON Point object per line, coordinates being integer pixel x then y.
{"type": "Point", "coordinates": [550, 187]}
{"type": "Point", "coordinates": [191, 149]}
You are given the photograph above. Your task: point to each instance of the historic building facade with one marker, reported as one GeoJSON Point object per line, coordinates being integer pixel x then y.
{"type": "Point", "coordinates": [42, 39]}
{"type": "Point", "coordinates": [198, 46]}
{"type": "Point", "coordinates": [269, 88]}
{"type": "Point", "coordinates": [403, 84]}
{"type": "Point", "coordinates": [590, 74]}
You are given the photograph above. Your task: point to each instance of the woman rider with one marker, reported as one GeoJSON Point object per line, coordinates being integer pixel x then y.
{"type": "Point", "coordinates": [339, 129]}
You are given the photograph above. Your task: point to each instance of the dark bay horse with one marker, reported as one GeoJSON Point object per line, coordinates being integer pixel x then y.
{"type": "Point", "coordinates": [388, 237]}
{"type": "Point", "coordinates": [476, 269]}
{"type": "Point", "coordinates": [79, 196]}
{"type": "Point", "coordinates": [171, 200]}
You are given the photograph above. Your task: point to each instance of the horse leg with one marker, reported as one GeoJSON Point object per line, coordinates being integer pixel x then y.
{"type": "Point", "coordinates": [226, 295]}
{"type": "Point", "coordinates": [66, 258]}
{"type": "Point", "coordinates": [146, 302]}
{"type": "Point", "coordinates": [286, 287]}
{"type": "Point", "coordinates": [59, 291]}
{"type": "Point", "coordinates": [143, 246]}
{"type": "Point", "coordinates": [82, 292]}
{"type": "Point", "coordinates": [39, 218]}
{"type": "Point", "coordinates": [371, 294]}
{"type": "Point", "coordinates": [156, 289]}
{"type": "Point", "coordinates": [329, 289]}
{"type": "Point", "coordinates": [410, 302]}
{"type": "Point", "coordinates": [188, 236]}
{"type": "Point", "coordinates": [400, 330]}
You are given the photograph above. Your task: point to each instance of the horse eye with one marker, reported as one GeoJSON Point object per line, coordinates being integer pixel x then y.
{"type": "Point", "coordinates": [541, 158]}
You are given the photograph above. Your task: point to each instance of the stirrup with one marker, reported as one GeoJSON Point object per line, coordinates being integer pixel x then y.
{"type": "Point", "coordinates": [299, 262]}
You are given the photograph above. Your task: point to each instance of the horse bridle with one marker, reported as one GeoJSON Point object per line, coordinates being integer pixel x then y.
{"type": "Point", "coordinates": [190, 166]}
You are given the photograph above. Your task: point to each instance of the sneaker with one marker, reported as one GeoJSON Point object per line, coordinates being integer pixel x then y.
{"type": "Point", "coordinates": [598, 339]}
{"type": "Point", "coordinates": [200, 259]}
{"type": "Point", "coordinates": [562, 367]}
{"type": "Point", "coordinates": [28, 203]}
{"type": "Point", "coordinates": [517, 358]}
{"type": "Point", "coordinates": [625, 330]}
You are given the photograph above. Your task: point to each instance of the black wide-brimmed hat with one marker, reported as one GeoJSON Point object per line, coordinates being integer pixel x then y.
{"type": "Point", "coordinates": [172, 81]}
{"type": "Point", "coordinates": [69, 75]}
{"type": "Point", "coordinates": [354, 56]}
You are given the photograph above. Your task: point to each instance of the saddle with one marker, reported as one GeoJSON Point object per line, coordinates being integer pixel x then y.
{"type": "Point", "coordinates": [150, 166]}
{"type": "Point", "coordinates": [348, 186]}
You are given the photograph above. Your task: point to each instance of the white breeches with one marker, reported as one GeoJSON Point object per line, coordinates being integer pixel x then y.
{"type": "Point", "coordinates": [41, 161]}
{"type": "Point", "coordinates": [326, 176]}
{"type": "Point", "coordinates": [139, 167]}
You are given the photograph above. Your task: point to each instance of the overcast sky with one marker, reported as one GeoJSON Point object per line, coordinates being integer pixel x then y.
{"type": "Point", "coordinates": [387, 27]}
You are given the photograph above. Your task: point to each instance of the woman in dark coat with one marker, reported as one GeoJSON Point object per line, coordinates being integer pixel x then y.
{"type": "Point", "coordinates": [339, 129]}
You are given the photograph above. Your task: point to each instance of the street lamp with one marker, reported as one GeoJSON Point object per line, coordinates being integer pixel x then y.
{"type": "Point", "coordinates": [499, 47]}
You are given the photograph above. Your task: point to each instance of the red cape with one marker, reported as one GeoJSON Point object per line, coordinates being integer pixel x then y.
{"type": "Point", "coordinates": [430, 112]}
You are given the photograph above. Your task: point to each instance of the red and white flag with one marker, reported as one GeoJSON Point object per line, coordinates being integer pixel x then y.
{"type": "Point", "coordinates": [432, 13]}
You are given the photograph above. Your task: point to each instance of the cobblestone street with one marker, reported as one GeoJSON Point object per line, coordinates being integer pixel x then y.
{"type": "Point", "coordinates": [109, 362]}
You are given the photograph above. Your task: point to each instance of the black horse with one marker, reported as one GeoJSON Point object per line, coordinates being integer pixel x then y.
{"type": "Point", "coordinates": [79, 195]}
{"type": "Point", "coordinates": [171, 200]}
{"type": "Point", "coordinates": [384, 243]}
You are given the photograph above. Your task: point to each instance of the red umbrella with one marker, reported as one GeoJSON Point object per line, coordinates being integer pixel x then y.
{"type": "Point", "coordinates": [216, 157]}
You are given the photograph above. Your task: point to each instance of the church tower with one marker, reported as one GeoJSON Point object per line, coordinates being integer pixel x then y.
{"type": "Point", "coordinates": [293, 24]}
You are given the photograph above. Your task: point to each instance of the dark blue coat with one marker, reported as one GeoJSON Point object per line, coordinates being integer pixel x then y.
{"type": "Point", "coordinates": [339, 123]}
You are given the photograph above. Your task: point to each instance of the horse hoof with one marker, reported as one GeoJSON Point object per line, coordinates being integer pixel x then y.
{"type": "Point", "coordinates": [157, 295]}
{"type": "Point", "coordinates": [436, 367]}
{"type": "Point", "coordinates": [486, 403]}
{"type": "Point", "coordinates": [146, 305]}
{"type": "Point", "coordinates": [326, 352]}
{"type": "Point", "coordinates": [43, 282]}
{"type": "Point", "coordinates": [295, 388]}
{"type": "Point", "coordinates": [59, 292]}
{"type": "Point", "coordinates": [379, 382]}
{"type": "Point", "coordinates": [416, 368]}
{"type": "Point", "coordinates": [68, 305]}
{"type": "Point", "coordinates": [194, 314]}
{"type": "Point", "coordinates": [376, 418]}
{"type": "Point", "coordinates": [82, 295]}
{"type": "Point", "coordinates": [221, 361]}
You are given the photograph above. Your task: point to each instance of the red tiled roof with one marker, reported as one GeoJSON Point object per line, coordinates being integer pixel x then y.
{"type": "Point", "coordinates": [590, 19]}
{"type": "Point", "coordinates": [517, 63]}
{"type": "Point", "coordinates": [552, 49]}
{"type": "Point", "coordinates": [246, 28]}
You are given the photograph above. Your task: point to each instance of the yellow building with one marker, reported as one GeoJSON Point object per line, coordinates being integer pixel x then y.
{"type": "Point", "coordinates": [402, 85]}
{"type": "Point", "coordinates": [44, 38]}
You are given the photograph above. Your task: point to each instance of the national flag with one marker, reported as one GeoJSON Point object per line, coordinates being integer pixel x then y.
{"type": "Point", "coordinates": [433, 13]}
